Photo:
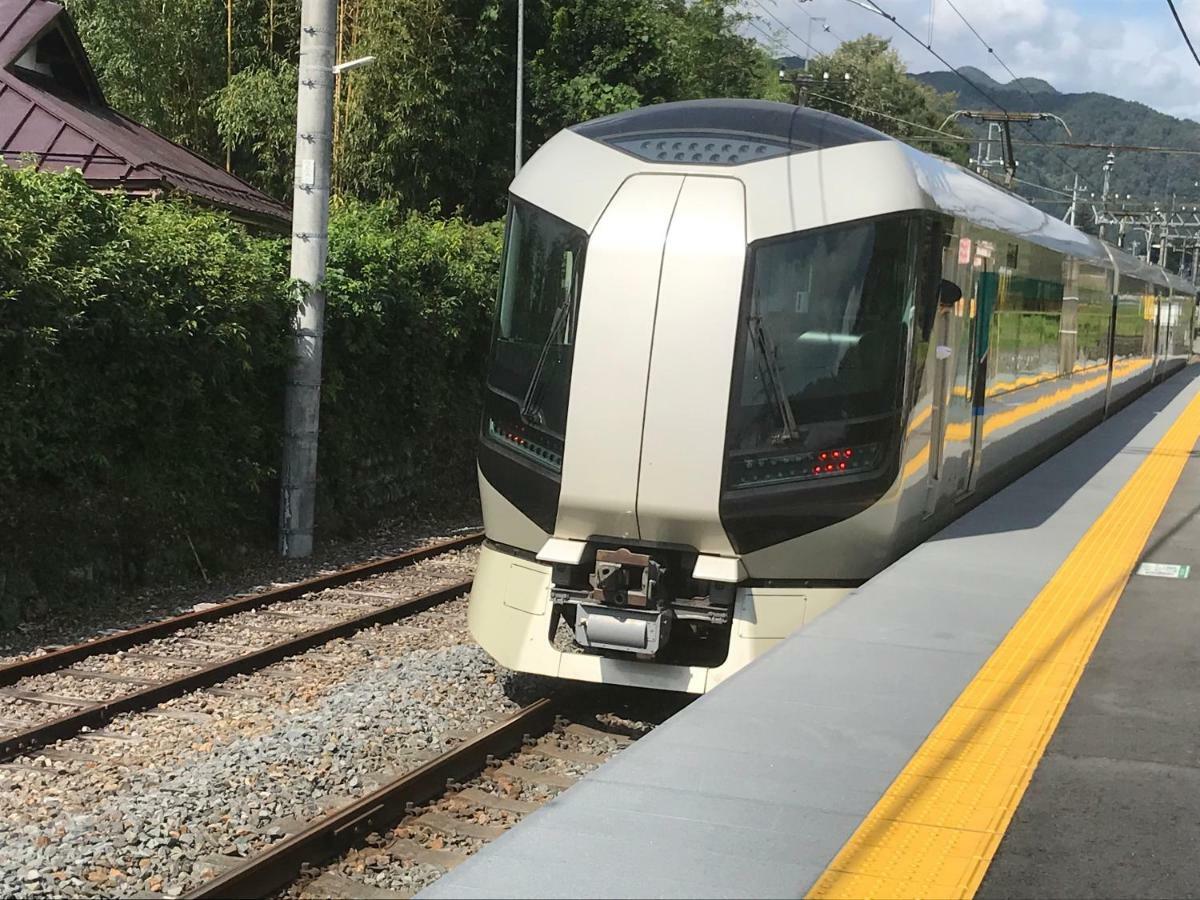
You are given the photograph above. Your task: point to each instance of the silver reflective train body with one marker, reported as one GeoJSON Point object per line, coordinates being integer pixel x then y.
{"type": "Point", "coordinates": [745, 355]}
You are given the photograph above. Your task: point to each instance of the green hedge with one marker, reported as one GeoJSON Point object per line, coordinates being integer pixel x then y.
{"type": "Point", "coordinates": [407, 326]}
{"type": "Point", "coordinates": [143, 348]}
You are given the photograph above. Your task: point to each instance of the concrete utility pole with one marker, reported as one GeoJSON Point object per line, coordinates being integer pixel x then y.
{"type": "Point", "coordinates": [517, 156]}
{"type": "Point", "coordinates": [310, 246]}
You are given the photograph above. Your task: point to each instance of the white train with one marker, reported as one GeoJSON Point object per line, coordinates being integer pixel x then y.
{"type": "Point", "coordinates": [746, 355]}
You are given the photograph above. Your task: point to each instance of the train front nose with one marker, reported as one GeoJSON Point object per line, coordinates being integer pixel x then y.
{"type": "Point", "coordinates": [652, 363]}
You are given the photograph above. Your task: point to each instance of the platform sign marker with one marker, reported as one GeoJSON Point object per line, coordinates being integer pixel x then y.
{"type": "Point", "coordinates": [1163, 570]}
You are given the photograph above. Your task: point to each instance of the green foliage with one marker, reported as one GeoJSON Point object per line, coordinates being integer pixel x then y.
{"type": "Point", "coordinates": [604, 56]}
{"type": "Point", "coordinates": [143, 351]}
{"type": "Point", "coordinates": [256, 113]}
{"type": "Point", "coordinates": [431, 121]}
{"type": "Point", "coordinates": [141, 355]}
{"type": "Point", "coordinates": [878, 83]}
{"type": "Point", "coordinates": [408, 321]}
{"type": "Point", "coordinates": [158, 62]}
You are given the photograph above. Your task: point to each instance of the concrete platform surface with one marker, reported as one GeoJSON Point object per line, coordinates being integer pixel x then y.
{"type": "Point", "coordinates": [754, 788]}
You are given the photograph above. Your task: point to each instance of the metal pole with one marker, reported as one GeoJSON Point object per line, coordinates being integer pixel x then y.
{"type": "Point", "coordinates": [1074, 203]}
{"type": "Point", "coordinates": [520, 83]}
{"type": "Point", "coordinates": [310, 246]}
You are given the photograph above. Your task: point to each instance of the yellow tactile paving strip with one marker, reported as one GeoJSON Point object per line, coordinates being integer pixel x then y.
{"type": "Point", "coordinates": [936, 829]}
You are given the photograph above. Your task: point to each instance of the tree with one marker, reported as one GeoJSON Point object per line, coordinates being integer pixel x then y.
{"type": "Point", "coordinates": [431, 122]}
{"type": "Point", "coordinates": [880, 93]}
{"type": "Point", "coordinates": [604, 56]}
{"type": "Point", "coordinates": [158, 62]}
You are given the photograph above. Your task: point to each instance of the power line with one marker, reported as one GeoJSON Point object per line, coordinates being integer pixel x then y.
{"type": "Point", "coordinates": [883, 115]}
{"type": "Point", "coordinates": [773, 39]}
{"type": "Point", "coordinates": [1078, 145]}
{"type": "Point", "coordinates": [787, 28]}
{"type": "Point", "coordinates": [1183, 31]}
{"type": "Point", "coordinates": [875, 7]}
{"type": "Point", "coordinates": [1042, 187]}
{"type": "Point", "coordinates": [826, 27]}
{"type": "Point", "coordinates": [945, 62]}
{"type": "Point", "coordinates": [993, 52]}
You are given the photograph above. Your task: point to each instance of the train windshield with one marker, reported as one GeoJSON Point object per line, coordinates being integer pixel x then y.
{"type": "Point", "coordinates": [819, 377]}
{"type": "Point", "coordinates": [530, 371]}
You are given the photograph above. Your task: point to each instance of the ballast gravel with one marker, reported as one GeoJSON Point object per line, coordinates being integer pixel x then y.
{"type": "Point", "coordinates": [155, 801]}
{"type": "Point", "coordinates": [155, 832]}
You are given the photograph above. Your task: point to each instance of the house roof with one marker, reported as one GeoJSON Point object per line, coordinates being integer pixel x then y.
{"type": "Point", "coordinates": [53, 111]}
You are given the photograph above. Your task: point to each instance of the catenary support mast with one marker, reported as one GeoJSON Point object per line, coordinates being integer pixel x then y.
{"type": "Point", "coordinates": [310, 245]}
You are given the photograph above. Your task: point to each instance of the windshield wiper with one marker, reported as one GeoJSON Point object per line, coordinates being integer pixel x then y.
{"type": "Point", "coordinates": [531, 412]}
{"type": "Point", "coordinates": [772, 379]}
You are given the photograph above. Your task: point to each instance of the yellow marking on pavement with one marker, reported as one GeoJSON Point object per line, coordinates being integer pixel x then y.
{"type": "Point", "coordinates": [935, 831]}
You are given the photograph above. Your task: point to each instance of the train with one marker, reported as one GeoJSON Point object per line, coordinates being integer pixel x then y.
{"type": "Point", "coordinates": [746, 355]}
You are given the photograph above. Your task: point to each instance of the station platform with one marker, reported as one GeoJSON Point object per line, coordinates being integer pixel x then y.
{"type": "Point", "coordinates": [1008, 710]}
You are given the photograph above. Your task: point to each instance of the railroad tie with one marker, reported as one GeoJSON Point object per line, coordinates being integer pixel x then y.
{"type": "Point", "coordinates": [339, 887]}
{"type": "Point", "coordinates": [108, 676]}
{"type": "Point", "coordinates": [55, 699]}
{"type": "Point", "coordinates": [574, 756]}
{"type": "Point", "coordinates": [549, 779]}
{"type": "Point", "coordinates": [406, 848]}
{"type": "Point", "coordinates": [451, 826]}
{"type": "Point", "coordinates": [496, 801]}
{"type": "Point", "coordinates": [586, 731]}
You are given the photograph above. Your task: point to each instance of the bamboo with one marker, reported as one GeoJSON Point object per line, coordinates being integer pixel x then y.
{"type": "Point", "coordinates": [228, 69]}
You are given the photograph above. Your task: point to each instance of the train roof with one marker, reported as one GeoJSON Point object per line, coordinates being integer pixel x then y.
{"type": "Point", "coordinates": [858, 170]}
{"type": "Point", "coordinates": [724, 132]}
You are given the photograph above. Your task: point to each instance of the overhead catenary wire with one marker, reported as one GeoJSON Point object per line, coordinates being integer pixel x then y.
{"type": "Point", "coordinates": [936, 133]}
{"type": "Point", "coordinates": [774, 40]}
{"type": "Point", "coordinates": [827, 28]}
{"type": "Point", "coordinates": [877, 8]}
{"type": "Point", "coordinates": [992, 51]}
{"type": "Point", "coordinates": [897, 119]}
{"type": "Point", "coordinates": [787, 28]}
{"type": "Point", "coordinates": [1077, 145]}
{"type": "Point", "coordinates": [1183, 31]}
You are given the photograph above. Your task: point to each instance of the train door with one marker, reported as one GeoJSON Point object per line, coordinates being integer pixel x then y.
{"type": "Point", "coordinates": [953, 438]}
{"type": "Point", "coordinates": [1159, 334]}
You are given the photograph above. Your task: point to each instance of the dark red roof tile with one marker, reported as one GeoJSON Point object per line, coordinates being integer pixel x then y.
{"type": "Point", "coordinates": [61, 120]}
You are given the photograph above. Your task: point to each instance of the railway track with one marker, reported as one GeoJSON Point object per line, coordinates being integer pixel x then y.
{"type": "Point", "coordinates": [98, 680]}
{"type": "Point", "coordinates": [427, 821]}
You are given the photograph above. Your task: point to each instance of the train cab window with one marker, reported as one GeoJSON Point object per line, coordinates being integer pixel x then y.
{"type": "Point", "coordinates": [822, 347]}
{"type": "Point", "coordinates": [532, 349]}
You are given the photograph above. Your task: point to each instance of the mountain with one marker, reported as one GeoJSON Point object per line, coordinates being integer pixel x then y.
{"type": "Point", "coordinates": [953, 83]}
{"type": "Point", "coordinates": [1092, 117]}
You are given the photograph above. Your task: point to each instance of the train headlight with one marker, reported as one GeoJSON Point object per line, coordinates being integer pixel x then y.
{"type": "Point", "coordinates": [524, 442]}
{"type": "Point", "coordinates": [773, 468]}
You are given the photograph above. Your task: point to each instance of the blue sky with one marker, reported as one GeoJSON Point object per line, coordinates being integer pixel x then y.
{"type": "Point", "coordinates": [1129, 48]}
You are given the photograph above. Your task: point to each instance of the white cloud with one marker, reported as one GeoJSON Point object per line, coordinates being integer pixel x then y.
{"type": "Point", "coordinates": [1128, 48]}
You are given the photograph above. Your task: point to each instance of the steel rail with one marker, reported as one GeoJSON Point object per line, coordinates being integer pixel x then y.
{"type": "Point", "coordinates": [48, 662]}
{"type": "Point", "coordinates": [276, 867]}
{"type": "Point", "coordinates": [101, 713]}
